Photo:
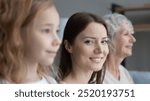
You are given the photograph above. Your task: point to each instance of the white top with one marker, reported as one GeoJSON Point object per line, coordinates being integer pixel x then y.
{"type": "Point", "coordinates": [125, 77]}
{"type": "Point", "coordinates": [44, 80]}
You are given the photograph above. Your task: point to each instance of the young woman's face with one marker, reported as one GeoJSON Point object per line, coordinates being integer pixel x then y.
{"type": "Point", "coordinates": [90, 48]}
{"type": "Point", "coordinates": [41, 40]}
{"type": "Point", "coordinates": [124, 41]}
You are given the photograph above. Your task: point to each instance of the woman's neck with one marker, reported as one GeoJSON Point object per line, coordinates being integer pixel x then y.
{"type": "Point", "coordinates": [112, 65]}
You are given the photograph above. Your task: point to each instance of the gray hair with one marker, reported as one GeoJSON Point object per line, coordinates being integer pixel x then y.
{"type": "Point", "coordinates": [114, 22]}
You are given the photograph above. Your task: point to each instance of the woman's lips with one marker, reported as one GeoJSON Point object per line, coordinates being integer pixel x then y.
{"type": "Point", "coordinates": [96, 59]}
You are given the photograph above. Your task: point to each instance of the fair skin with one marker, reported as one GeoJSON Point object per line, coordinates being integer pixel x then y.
{"type": "Point", "coordinates": [123, 43]}
{"type": "Point", "coordinates": [88, 53]}
{"type": "Point", "coordinates": [41, 42]}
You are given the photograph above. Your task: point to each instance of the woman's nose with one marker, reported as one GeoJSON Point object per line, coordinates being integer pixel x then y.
{"type": "Point", "coordinates": [133, 39]}
{"type": "Point", "coordinates": [98, 48]}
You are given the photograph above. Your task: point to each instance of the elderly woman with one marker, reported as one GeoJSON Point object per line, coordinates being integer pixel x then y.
{"type": "Point", "coordinates": [121, 32]}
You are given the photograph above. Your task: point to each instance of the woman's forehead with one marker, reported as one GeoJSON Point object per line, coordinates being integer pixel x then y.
{"type": "Point", "coordinates": [127, 26]}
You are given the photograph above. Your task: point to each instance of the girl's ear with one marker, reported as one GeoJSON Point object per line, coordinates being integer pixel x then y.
{"type": "Point", "coordinates": [68, 46]}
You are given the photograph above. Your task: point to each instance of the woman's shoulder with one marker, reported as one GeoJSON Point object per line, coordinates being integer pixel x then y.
{"type": "Point", "coordinates": [125, 73]}
{"type": "Point", "coordinates": [50, 79]}
{"type": "Point", "coordinates": [62, 82]}
{"type": "Point", "coordinates": [122, 68]}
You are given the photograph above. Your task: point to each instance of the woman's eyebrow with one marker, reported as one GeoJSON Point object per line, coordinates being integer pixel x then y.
{"type": "Point", "coordinates": [91, 37]}
{"type": "Point", "coordinates": [105, 38]}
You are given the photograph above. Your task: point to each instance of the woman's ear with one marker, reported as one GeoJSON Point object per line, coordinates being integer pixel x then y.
{"type": "Point", "coordinates": [112, 46]}
{"type": "Point", "coordinates": [68, 46]}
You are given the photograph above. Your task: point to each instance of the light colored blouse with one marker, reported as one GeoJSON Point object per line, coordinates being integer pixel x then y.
{"type": "Point", "coordinates": [125, 77]}
{"type": "Point", "coordinates": [44, 80]}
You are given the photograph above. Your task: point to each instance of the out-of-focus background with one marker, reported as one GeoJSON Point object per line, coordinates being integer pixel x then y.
{"type": "Point", "coordinates": [138, 11]}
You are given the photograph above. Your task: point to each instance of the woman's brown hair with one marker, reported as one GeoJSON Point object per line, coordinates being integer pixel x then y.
{"type": "Point", "coordinates": [76, 24]}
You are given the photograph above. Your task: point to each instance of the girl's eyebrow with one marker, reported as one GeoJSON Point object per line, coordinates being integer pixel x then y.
{"type": "Point", "coordinates": [47, 24]}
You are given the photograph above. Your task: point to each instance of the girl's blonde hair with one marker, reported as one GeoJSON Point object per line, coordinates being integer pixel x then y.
{"type": "Point", "coordinates": [15, 16]}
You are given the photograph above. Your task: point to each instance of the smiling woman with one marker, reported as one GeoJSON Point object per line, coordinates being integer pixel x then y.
{"type": "Point", "coordinates": [84, 49]}
{"type": "Point", "coordinates": [121, 32]}
{"type": "Point", "coordinates": [29, 40]}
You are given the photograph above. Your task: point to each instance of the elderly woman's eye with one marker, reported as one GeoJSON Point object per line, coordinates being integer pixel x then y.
{"type": "Point", "coordinates": [126, 33]}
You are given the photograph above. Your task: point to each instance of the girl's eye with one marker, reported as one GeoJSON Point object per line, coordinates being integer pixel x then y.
{"type": "Point", "coordinates": [57, 31]}
{"type": "Point", "coordinates": [46, 30]}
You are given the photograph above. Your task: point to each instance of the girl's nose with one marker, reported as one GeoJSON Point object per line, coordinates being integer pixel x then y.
{"type": "Point", "coordinates": [56, 40]}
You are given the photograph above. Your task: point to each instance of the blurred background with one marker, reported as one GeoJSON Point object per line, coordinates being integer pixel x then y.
{"type": "Point", "coordinates": [138, 11]}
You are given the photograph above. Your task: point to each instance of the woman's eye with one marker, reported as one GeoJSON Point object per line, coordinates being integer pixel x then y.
{"type": "Point", "coordinates": [104, 41]}
{"type": "Point", "coordinates": [133, 35]}
{"type": "Point", "coordinates": [89, 42]}
{"type": "Point", "coordinates": [126, 34]}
